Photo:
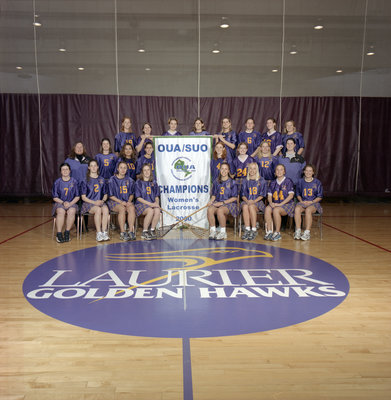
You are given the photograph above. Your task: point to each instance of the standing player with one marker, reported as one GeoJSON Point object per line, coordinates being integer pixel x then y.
{"type": "Point", "coordinates": [93, 192]}
{"type": "Point", "coordinates": [224, 201]}
{"type": "Point", "coordinates": [293, 162]}
{"type": "Point", "coordinates": [107, 160]}
{"type": "Point", "coordinates": [146, 137]}
{"type": "Point", "coordinates": [199, 128]}
{"type": "Point", "coordinates": [147, 202]}
{"type": "Point", "coordinates": [65, 193]}
{"type": "Point", "coordinates": [253, 191]}
{"type": "Point", "coordinates": [249, 136]}
{"type": "Point", "coordinates": [280, 198]}
{"type": "Point", "coordinates": [309, 192]}
{"type": "Point", "coordinates": [219, 156]}
{"type": "Point", "coordinates": [125, 136]}
{"type": "Point", "coordinates": [272, 136]}
{"type": "Point", "coordinates": [128, 156]}
{"type": "Point", "coordinates": [121, 192]}
{"type": "Point", "coordinates": [78, 161]}
{"type": "Point", "coordinates": [227, 136]}
{"type": "Point", "coordinates": [240, 163]}
{"type": "Point", "coordinates": [172, 128]}
{"type": "Point", "coordinates": [147, 158]}
{"type": "Point", "coordinates": [266, 161]}
{"type": "Point", "coordinates": [290, 132]}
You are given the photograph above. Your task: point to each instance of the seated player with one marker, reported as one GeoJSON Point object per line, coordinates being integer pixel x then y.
{"type": "Point", "coordinates": [224, 201]}
{"type": "Point", "coordinates": [147, 202]}
{"type": "Point", "coordinates": [121, 192]}
{"type": "Point", "coordinates": [280, 197]}
{"type": "Point", "coordinates": [254, 189]}
{"type": "Point", "coordinates": [309, 192]}
{"type": "Point", "coordinates": [147, 158]}
{"type": "Point", "coordinates": [240, 163]}
{"type": "Point", "coordinates": [65, 193]}
{"type": "Point", "coordinates": [93, 192]}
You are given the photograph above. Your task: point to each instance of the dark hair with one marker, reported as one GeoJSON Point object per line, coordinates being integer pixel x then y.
{"type": "Point", "coordinates": [282, 165]}
{"type": "Point", "coordinates": [72, 154]}
{"type": "Point", "coordinates": [146, 123]}
{"type": "Point", "coordinates": [237, 149]}
{"type": "Point", "coordinates": [101, 145]}
{"type": "Point", "coordinates": [65, 164]}
{"type": "Point", "coordinates": [88, 174]}
{"type": "Point", "coordinates": [293, 140]}
{"type": "Point", "coordinates": [121, 162]}
{"type": "Point", "coordinates": [202, 124]}
{"type": "Point", "coordinates": [142, 172]}
{"type": "Point", "coordinates": [311, 166]}
{"type": "Point", "coordinates": [252, 119]}
{"type": "Point", "coordinates": [223, 163]}
{"type": "Point", "coordinates": [122, 155]}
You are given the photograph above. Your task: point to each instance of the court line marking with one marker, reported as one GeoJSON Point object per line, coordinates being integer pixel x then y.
{"type": "Point", "coordinates": [187, 372]}
{"type": "Point", "coordinates": [357, 237]}
{"type": "Point", "coordinates": [28, 230]}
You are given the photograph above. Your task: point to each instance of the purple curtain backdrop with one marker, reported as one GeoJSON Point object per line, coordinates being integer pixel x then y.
{"type": "Point", "coordinates": [329, 124]}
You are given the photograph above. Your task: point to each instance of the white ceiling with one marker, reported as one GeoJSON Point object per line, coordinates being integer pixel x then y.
{"type": "Point", "coordinates": [168, 29]}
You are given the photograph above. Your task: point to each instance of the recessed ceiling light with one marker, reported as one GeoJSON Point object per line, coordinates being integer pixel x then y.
{"type": "Point", "coordinates": [318, 27]}
{"type": "Point", "coordinates": [80, 68]}
{"type": "Point", "coordinates": [141, 50]}
{"type": "Point", "coordinates": [370, 53]}
{"type": "Point", "coordinates": [62, 49]}
{"type": "Point", "coordinates": [274, 70]}
{"type": "Point", "coordinates": [147, 69]}
{"type": "Point", "coordinates": [215, 51]}
{"type": "Point", "coordinates": [339, 71]}
{"type": "Point", "coordinates": [224, 23]}
{"type": "Point", "coordinates": [19, 67]}
{"type": "Point", "coordinates": [37, 24]}
{"type": "Point", "coordinates": [293, 52]}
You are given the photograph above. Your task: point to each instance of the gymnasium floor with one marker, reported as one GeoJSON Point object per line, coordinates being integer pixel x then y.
{"type": "Point", "coordinates": [344, 353]}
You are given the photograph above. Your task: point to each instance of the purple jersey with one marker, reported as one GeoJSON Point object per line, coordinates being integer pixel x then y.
{"type": "Point", "coordinates": [203, 133]}
{"type": "Point", "coordinates": [224, 190]}
{"type": "Point", "coordinates": [148, 140]}
{"type": "Point", "coordinates": [122, 189]}
{"type": "Point", "coordinates": [293, 168]}
{"type": "Point", "coordinates": [252, 139]}
{"type": "Point", "coordinates": [131, 171]}
{"type": "Point", "coordinates": [274, 140]}
{"type": "Point", "coordinates": [65, 190]}
{"type": "Point", "coordinates": [298, 139]}
{"type": "Point", "coordinates": [252, 189]}
{"type": "Point", "coordinates": [107, 164]}
{"type": "Point", "coordinates": [230, 137]}
{"type": "Point", "coordinates": [122, 138]}
{"type": "Point", "coordinates": [174, 134]}
{"type": "Point", "coordinates": [280, 191]}
{"type": "Point", "coordinates": [309, 191]}
{"type": "Point", "coordinates": [240, 168]}
{"type": "Point", "coordinates": [144, 160]}
{"type": "Point", "coordinates": [215, 167]}
{"type": "Point", "coordinates": [267, 166]}
{"type": "Point", "coordinates": [147, 190]}
{"type": "Point", "coordinates": [94, 188]}
{"type": "Point", "coordinates": [78, 169]}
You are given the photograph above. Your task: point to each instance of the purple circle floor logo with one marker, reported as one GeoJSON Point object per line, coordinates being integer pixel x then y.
{"type": "Point", "coordinates": [185, 288]}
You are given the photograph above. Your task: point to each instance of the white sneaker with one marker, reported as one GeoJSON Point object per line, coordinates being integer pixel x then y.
{"type": "Point", "coordinates": [99, 237]}
{"type": "Point", "coordinates": [212, 234]}
{"type": "Point", "coordinates": [306, 235]}
{"type": "Point", "coordinates": [105, 235]}
{"type": "Point", "coordinates": [297, 235]}
{"type": "Point", "coordinates": [221, 236]}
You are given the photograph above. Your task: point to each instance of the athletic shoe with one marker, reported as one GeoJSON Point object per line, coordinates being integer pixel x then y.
{"type": "Point", "coordinates": [212, 235]}
{"type": "Point", "coordinates": [253, 235]}
{"type": "Point", "coordinates": [297, 234]}
{"type": "Point", "coordinates": [221, 236]}
{"type": "Point", "coordinates": [66, 236]}
{"type": "Point", "coordinates": [246, 234]}
{"type": "Point", "coordinates": [132, 236]}
{"type": "Point", "coordinates": [268, 236]}
{"type": "Point", "coordinates": [60, 238]}
{"type": "Point", "coordinates": [99, 237]}
{"type": "Point", "coordinates": [306, 235]}
{"type": "Point", "coordinates": [105, 235]}
{"type": "Point", "coordinates": [152, 233]}
{"type": "Point", "coordinates": [145, 235]}
{"type": "Point", "coordinates": [124, 236]}
{"type": "Point", "coordinates": [276, 236]}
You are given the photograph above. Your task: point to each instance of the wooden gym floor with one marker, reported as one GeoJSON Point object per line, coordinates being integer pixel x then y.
{"type": "Point", "coordinates": [343, 354]}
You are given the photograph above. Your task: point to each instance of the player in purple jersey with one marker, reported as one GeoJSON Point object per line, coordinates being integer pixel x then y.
{"type": "Point", "coordinates": [199, 128]}
{"type": "Point", "coordinates": [280, 197]}
{"type": "Point", "coordinates": [219, 156]}
{"type": "Point", "coordinates": [147, 158]}
{"type": "Point", "coordinates": [65, 193]}
{"type": "Point", "coordinates": [290, 132]}
{"type": "Point", "coordinates": [145, 137]}
{"type": "Point", "coordinates": [121, 192]}
{"type": "Point", "coordinates": [224, 201]}
{"type": "Point", "coordinates": [227, 136]}
{"type": "Point", "coordinates": [128, 156]}
{"type": "Point", "coordinates": [172, 128]}
{"type": "Point", "coordinates": [125, 136]}
{"type": "Point", "coordinates": [147, 202]}
{"type": "Point", "coordinates": [107, 160]}
{"type": "Point", "coordinates": [254, 189]}
{"type": "Point", "coordinates": [293, 162]}
{"type": "Point", "coordinates": [78, 161]}
{"type": "Point", "coordinates": [309, 192]}
{"type": "Point", "coordinates": [250, 136]}
{"type": "Point", "coordinates": [273, 137]}
{"type": "Point", "coordinates": [240, 163]}
{"type": "Point", "coordinates": [93, 191]}
{"type": "Point", "coordinates": [266, 162]}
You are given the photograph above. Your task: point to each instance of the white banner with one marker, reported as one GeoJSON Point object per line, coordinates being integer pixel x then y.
{"type": "Point", "coordinates": [183, 174]}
